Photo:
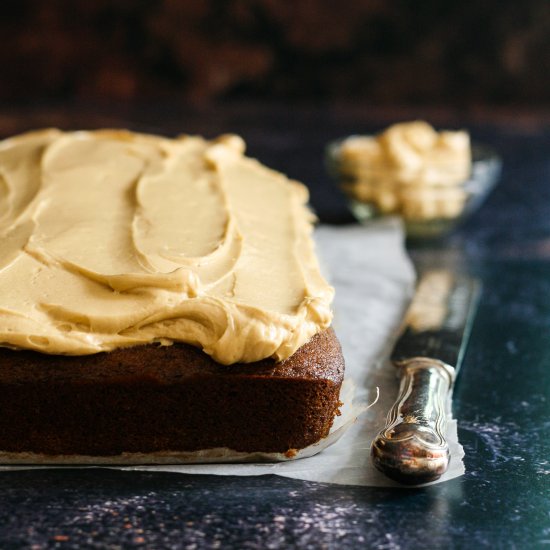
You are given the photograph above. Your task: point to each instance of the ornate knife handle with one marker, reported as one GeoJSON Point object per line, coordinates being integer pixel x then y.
{"type": "Point", "coordinates": [412, 448]}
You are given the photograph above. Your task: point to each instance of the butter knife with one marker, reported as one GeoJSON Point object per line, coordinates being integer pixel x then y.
{"type": "Point", "coordinates": [412, 447]}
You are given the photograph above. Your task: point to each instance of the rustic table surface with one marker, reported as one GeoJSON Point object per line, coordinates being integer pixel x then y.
{"type": "Point", "coordinates": [502, 400]}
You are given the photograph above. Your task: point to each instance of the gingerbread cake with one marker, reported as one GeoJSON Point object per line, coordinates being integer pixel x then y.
{"type": "Point", "coordinates": [158, 297]}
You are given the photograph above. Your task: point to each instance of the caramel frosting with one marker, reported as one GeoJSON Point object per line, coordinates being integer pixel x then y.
{"type": "Point", "coordinates": [410, 169]}
{"type": "Point", "coordinates": [111, 239]}
{"type": "Point", "coordinates": [410, 153]}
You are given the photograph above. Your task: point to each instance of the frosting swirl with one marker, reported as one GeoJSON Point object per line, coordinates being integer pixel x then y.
{"type": "Point", "coordinates": [111, 239]}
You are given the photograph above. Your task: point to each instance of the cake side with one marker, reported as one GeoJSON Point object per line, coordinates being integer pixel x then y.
{"type": "Point", "coordinates": [152, 399]}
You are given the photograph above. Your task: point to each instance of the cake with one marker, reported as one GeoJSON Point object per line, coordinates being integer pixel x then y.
{"type": "Point", "coordinates": [158, 298]}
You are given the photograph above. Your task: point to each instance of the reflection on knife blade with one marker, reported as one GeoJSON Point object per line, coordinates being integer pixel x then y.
{"type": "Point", "coordinates": [439, 318]}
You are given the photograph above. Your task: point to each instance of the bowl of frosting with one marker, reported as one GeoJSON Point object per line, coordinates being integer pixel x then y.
{"type": "Point", "coordinates": [432, 180]}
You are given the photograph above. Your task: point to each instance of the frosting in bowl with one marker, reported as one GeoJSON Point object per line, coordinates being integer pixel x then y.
{"type": "Point", "coordinates": [409, 169]}
{"type": "Point", "coordinates": [111, 239]}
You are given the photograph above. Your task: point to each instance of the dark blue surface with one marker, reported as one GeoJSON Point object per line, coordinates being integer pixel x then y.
{"type": "Point", "coordinates": [502, 399]}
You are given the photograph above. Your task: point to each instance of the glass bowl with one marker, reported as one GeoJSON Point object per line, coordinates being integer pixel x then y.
{"type": "Point", "coordinates": [429, 209]}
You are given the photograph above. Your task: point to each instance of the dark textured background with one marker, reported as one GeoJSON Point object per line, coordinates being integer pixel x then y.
{"type": "Point", "coordinates": [403, 51]}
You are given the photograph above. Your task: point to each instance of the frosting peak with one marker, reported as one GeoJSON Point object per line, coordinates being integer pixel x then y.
{"type": "Point", "coordinates": [111, 239]}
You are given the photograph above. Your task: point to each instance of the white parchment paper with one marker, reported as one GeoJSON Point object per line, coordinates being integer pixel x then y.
{"type": "Point", "coordinates": [374, 280]}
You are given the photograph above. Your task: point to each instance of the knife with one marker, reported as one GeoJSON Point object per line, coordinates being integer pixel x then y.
{"type": "Point", "coordinates": [412, 448]}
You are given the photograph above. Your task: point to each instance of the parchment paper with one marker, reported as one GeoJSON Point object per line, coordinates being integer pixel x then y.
{"type": "Point", "coordinates": [374, 280]}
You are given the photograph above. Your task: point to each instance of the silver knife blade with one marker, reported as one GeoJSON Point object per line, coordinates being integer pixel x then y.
{"type": "Point", "coordinates": [412, 447]}
{"type": "Point", "coordinates": [440, 317]}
